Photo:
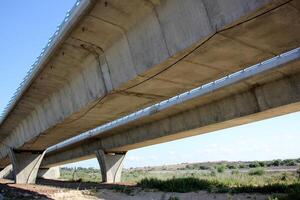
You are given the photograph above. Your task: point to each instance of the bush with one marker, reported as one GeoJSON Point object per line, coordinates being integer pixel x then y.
{"type": "Point", "coordinates": [231, 166]}
{"type": "Point", "coordinates": [276, 163]}
{"type": "Point", "coordinates": [289, 162]}
{"type": "Point", "coordinates": [203, 167]}
{"type": "Point", "coordinates": [175, 185]}
{"type": "Point", "coordinates": [242, 166]}
{"type": "Point", "coordinates": [254, 165]}
{"type": "Point", "coordinates": [220, 168]}
{"type": "Point", "coordinates": [256, 172]}
{"type": "Point", "coordinates": [262, 164]}
{"type": "Point", "coordinates": [194, 184]}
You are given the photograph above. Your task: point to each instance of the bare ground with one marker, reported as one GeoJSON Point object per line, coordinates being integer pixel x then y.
{"type": "Point", "coordinates": [46, 189]}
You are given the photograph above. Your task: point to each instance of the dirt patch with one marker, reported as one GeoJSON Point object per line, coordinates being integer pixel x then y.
{"type": "Point", "coordinates": [101, 191]}
{"type": "Point", "coordinates": [201, 195]}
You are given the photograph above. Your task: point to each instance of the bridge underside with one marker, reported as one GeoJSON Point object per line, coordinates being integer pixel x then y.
{"type": "Point", "coordinates": [270, 94]}
{"type": "Point", "coordinates": [118, 59]}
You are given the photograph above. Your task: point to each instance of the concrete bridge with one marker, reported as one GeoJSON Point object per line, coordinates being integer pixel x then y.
{"type": "Point", "coordinates": [112, 58]}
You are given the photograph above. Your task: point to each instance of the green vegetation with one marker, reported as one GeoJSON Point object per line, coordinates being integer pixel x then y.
{"type": "Point", "coordinates": [194, 184]}
{"type": "Point", "coordinates": [124, 189]}
{"type": "Point", "coordinates": [220, 168]}
{"type": "Point", "coordinates": [298, 172]}
{"type": "Point", "coordinates": [221, 177]}
{"type": "Point", "coordinates": [81, 174]}
{"type": "Point", "coordinates": [256, 172]}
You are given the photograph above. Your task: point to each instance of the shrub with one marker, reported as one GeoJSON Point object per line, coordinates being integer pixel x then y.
{"type": "Point", "coordinates": [276, 163]}
{"type": "Point", "coordinates": [231, 166]}
{"type": "Point", "coordinates": [194, 184]}
{"type": "Point", "coordinates": [242, 166]}
{"type": "Point", "coordinates": [175, 185]}
{"type": "Point", "coordinates": [262, 164]}
{"type": "Point", "coordinates": [289, 162]}
{"type": "Point", "coordinates": [284, 176]}
{"type": "Point", "coordinates": [254, 165]}
{"type": "Point", "coordinates": [203, 167]}
{"type": "Point", "coordinates": [220, 168]}
{"type": "Point", "coordinates": [256, 172]}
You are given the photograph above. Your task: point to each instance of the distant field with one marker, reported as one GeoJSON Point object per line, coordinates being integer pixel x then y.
{"type": "Point", "coordinates": [266, 177]}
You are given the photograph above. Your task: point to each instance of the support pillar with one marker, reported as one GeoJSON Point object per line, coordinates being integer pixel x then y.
{"type": "Point", "coordinates": [25, 165]}
{"type": "Point", "coordinates": [49, 173]}
{"type": "Point", "coordinates": [111, 165]}
{"type": "Point", "coordinates": [7, 172]}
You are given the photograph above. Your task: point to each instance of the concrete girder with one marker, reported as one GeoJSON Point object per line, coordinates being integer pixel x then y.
{"type": "Point", "coordinates": [164, 45]}
{"type": "Point", "coordinates": [274, 98]}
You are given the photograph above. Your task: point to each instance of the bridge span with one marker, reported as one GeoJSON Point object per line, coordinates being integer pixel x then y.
{"type": "Point", "coordinates": [111, 58]}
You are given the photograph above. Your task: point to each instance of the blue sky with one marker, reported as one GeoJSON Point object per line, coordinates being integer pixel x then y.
{"type": "Point", "coordinates": [25, 29]}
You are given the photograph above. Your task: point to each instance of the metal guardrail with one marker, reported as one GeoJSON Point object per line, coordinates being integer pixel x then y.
{"type": "Point", "coordinates": [272, 63]}
{"type": "Point", "coordinates": [35, 67]}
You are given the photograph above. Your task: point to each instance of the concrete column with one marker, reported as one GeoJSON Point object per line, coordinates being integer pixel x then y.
{"type": "Point", "coordinates": [6, 173]}
{"type": "Point", "coordinates": [111, 165]}
{"type": "Point", "coordinates": [49, 173]}
{"type": "Point", "coordinates": [25, 165]}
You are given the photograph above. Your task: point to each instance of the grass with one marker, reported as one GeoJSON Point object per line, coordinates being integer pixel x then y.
{"type": "Point", "coordinates": [124, 189]}
{"type": "Point", "coordinates": [183, 185]}
{"type": "Point", "coordinates": [218, 177]}
{"type": "Point", "coordinates": [256, 172]}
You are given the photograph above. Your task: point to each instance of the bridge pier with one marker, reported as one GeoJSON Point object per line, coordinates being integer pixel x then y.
{"type": "Point", "coordinates": [25, 165]}
{"type": "Point", "coordinates": [111, 165]}
{"type": "Point", "coordinates": [7, 172]}
{"type": "Point", "coordinates": [49, 173]}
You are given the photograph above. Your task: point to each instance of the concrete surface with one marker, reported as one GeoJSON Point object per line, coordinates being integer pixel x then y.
{"type": "Point", "coordinates": [7, 172]}
{"type": "Point", "coordinates": [262, 97]}
{"type": "Point", "coordinates": [49, 173]}
{"type": "Point", "coordinates": [160, 50]}
{"type": "Point", "coordinates": [25, 165]}
{"type": "Point", "coordinates": [111, 166]}
{"type": "Point", "coordinates": [116, 59]}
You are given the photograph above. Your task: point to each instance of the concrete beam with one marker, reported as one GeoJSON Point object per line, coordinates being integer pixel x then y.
{"type": "Point", "coordinates": [163, 40]}
{"type": "Point", "coordinates": [274, 98]}
{"type": "Point", "coordinates": [111, 165]}
{"type": "Point", "coordinates": [25, 165]}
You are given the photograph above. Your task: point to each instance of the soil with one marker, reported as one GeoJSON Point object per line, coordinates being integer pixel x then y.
{"type": "Point", "coordinates": [61, 190]}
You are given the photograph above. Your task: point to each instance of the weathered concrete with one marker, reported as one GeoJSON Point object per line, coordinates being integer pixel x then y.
{"type": "Point", "coordinates": [46, 173]}
{"type": "Point", "coordinates": [267, 95]}
{"type": "Point", "coordinates": [7, 172]}
{"type": "Point", "coordinates": [25, 165]}
{"type": "Point", "coordinates": [49, 173]}
{"type": "Point", "coordinates": [111, 165]}
{"type": "Point", "coordinates": [118, 56]}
